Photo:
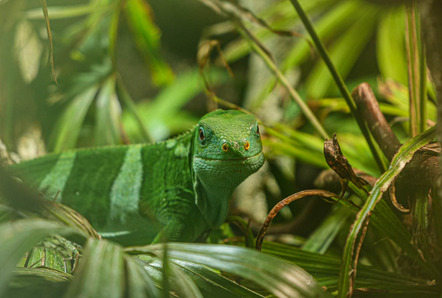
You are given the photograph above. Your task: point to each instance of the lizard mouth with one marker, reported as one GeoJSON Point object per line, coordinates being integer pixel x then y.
{"type": "Point", "coordinates": [233, 169]}
{"type": "Point", "coordinates": [231, 159]}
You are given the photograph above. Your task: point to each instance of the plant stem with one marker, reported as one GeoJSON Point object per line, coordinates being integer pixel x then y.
{"type": "Point", "coordinates": [131, 107]}
{"type": "Point", "coordinates": [272, 66]}
{"type": "Point", "coordinates": [416, 70]}
{"type": "Point", "coordinates": [340, 83]}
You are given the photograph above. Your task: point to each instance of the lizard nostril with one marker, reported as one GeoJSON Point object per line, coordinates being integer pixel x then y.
{"type": "Point", "coordinates": [225, 147]}
{"type": "Point", "coordinates": [247, 145]}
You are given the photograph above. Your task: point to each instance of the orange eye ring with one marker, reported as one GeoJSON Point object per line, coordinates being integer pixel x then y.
{"type": "Point", "coordinates": [225, 147]}
{"type": "Point", "coordinates": [247, 145]}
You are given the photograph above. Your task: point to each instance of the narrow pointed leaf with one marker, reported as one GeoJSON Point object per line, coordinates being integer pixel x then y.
{"type": "Point", "coordinates": [18, 237]}
{"type": "Point", "coordinates": [72, 119]}
{"type": "Point", "coordinates": [325, 269]}
{"type": "Point", "coordinates": [279, 277]}
{"type": "Point", "coordinates": [343, 52]}
{"type": "Point", "coordinates": [390, 35]}
{"type": "Point", "coordinates": [320, 240]}
{"type": "Point", "coordinates": [139, 283]}
{"type": "Point", "coordinates": [147, 38]}
{"type": "Point", "coordinates": [183, 285]}
{"type": "Point", "coordinates": [100, 273]}
{"type": "Point", "coordinates": [108, 112]}
{"type": "Point", "coordinates": [169, 278]}
{"type": "Point", "coordinates": [399, 161]}
{"type": "Point", "coordinates": [213, 284]}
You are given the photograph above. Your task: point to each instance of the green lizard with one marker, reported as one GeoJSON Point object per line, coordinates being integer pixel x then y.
{"type": "Point", "coordinates": [173, 190]}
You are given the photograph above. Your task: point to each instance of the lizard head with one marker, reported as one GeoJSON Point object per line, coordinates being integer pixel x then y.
{"type": "Point", "coordinates": [226, 150]}
{"type": "Point", "coordinates": [227, 143]}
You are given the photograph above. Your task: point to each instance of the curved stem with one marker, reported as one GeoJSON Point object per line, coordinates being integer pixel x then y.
{"type": "Point", "coordinates": [285, 202]}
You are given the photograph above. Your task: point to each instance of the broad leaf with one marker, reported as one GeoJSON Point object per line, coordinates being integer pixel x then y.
{"type": "Point", "coordinates": [265, 270]}
{"type": "Point", "coordinates": [100, 273]}
{"type": "Point", "coordinates": [19, 237]}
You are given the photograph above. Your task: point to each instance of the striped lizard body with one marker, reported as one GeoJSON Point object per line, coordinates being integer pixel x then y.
{"type": "Point", "coordinates": [172, 190]}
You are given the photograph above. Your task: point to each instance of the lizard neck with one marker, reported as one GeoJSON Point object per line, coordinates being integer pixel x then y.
{"type": "Point", "coordinates": [212, 200]}
{"type": "Point", "coordinates": [215, 181]}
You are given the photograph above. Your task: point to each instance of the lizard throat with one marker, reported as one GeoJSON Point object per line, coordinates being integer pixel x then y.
{"type": "Point", "coordinates": [230, 171]}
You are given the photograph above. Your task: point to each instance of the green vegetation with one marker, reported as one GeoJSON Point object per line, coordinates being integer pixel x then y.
{"type": "Point", "coordinates": [92, 73]}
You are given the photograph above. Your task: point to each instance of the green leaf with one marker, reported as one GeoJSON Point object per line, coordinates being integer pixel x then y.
{"type": "Point", "coordinates": [147, 38]}
{"type": "Point", "coordinates": [332, 23]}
{"type": "Point", "coordinates": [20, 236]}
{"type": "Point", "coordinates": [240, 48]}
{"type": "Point", "coordinates": [108, 114]}
{"type": "Point", "coordinates": [279, 277]}
{"type": "Point", "coordinates": [37, 282]}
{"type": "Point", "coordinates": [320, 240]}
{"type": "Point", "coordinates": [113, 30]}
{"type": "Point", "coordinates": [212, 283]}
{"type": "Point", "coordinates": [417, 71]}
{"type": "Point", "coordinates": [182, 284]}
{"type": "Point", "coordinates": [343, 52]}
{"type": "Point", "coordinates": [391, 46]}
{"type": "Point", "coordinates": [325, 269]}
{"type": "Point", "coordinates": [385, 221]}
{"type": "Point", "coordinates": [294, 143]}
{"type": "Point", "coordinates": [139, 282]}
{"type": "Point", "coordinates": [399, 161]}
{"type": "Point", "coordinates": [62, 12]}
{"type": "Point", "coordinates": [172, 98]}
{"type": "Point", "coordinates": [101, 271]}
{"type": "Point", "coordinates": [168, 277]}
{"type": "Point", "coordinates": [133, 116]}
{"type": "Point", "coordinates": [163, 116]}
{"type": "Point", "coordinates": [69, 125]}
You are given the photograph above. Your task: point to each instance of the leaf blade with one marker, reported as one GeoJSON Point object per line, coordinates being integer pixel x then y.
{"type": "Point", "coordinates": [20, 236]}
{"type": "Point", "coordinates": [100, 273]}
{"type": "Point", "coordinates": [399, 161]}
{"type": "Point", "coordinates": [281, 278]}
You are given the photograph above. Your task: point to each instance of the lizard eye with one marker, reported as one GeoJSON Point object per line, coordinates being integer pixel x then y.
{"type": "Point", "coordinates": [202, 134]}
{"type": "Point", "coordinates": [258, 134]}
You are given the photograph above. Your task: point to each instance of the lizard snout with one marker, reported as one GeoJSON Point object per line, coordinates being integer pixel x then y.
{"type": "Point", "coordinates": [235, 148]}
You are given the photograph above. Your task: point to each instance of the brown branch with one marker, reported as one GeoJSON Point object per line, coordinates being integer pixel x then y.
{"type": "Point", "coordinates": [369, 110]}
{"type": "Point", "coordinates": [424, 164]}
{"type": "Point", "coordinates": [285, 202]}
